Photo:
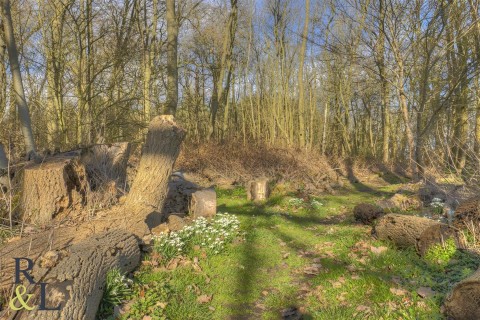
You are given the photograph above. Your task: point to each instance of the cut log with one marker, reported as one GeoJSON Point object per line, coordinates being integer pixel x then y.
{"type": "Point", "coordinates": [411, 231]}
{"type": "Point", "coordinates": [75, 278]}
{"type": "Point", "coordinates": [258, 190]}
{"type": "Point", "coordinates": [179, 194]}
{"type": "Point", "coordinates": [463, 301]}
{"type": "Point", "coordinates": [366, 213]}
{"type": "Point", "coordinates": [105, 163]}
{"type": "Point", "coordinates": [57, 185]}
{"type": "Point", "coordinates": [203, 203]}
{"type": "Point", "coordinates": [136, 216]}
{"type": "Point", "coordinates": [467, 216]}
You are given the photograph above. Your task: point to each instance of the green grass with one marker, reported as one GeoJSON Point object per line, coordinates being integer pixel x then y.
{"type": "Point", "coordinates": [259, 276]}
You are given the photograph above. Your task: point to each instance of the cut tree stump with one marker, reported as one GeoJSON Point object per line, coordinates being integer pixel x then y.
{"type": "Point", "coordinates": [258, 190]}
{"type": "Point", "coordinates": [411, 231]}
{"type": "Point", "coordinates": [467, 216]}
{"type": "Point", "coordinates": [203, 203]}
{"type": "Point", "coordinates": [54, 186]}
{"type": "Point", "coordinates": [76, 277]}
{"type": "Point", "coordinates": [463, 301]}
{"type": "Point", "coordinates": [106, 162]}
{"type": "Point", "coordinates": [134, 219]}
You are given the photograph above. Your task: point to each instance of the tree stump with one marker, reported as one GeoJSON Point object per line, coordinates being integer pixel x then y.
{"type": "Point", "coordinates": [203, 203]}
{"type": "Point", "coordinates": [57, 185]}
{"type": "Point", "coordinates": [105, 163]}
{"type": "Point", "coordinates": [367, 213]}
{"type": "Point", "coordinates": [258, 190]}
{"type": "Point", "coordinates": [135, 217]}
{"type": "Point", "coordinates": [467, 216]}
{"type": "Point", "coordinates": [75, 278]}
{"type": "Point", "coordinates": [463, 301]}
{"type": "Point", "coordinates": [411, 231]}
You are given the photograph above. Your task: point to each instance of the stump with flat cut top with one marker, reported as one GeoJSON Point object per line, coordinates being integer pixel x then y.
{"type": "Point", "coordinates": [203, 203]}
{"type": "Point", "coordinates": [258, 190]}
{"type": "Point", "coordinates": [54, 186]}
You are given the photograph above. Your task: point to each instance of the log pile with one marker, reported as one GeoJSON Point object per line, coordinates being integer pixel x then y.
{"type": "Point", "coordinates": [111, 239]}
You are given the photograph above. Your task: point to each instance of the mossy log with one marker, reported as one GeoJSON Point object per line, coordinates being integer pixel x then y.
{"type": "Point", "coordinates": [463, 301]}
{"type": "Point", "coordinates": [411, 231]}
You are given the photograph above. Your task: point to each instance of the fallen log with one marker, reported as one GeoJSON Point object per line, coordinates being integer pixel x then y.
{"type": "Point", "coordinates": [411, 231]}
{"type": "Point", "coordinates": [258, 190]}
{"type": "Point", "coordinates": [75, 277]}
{"type": "Point", "coordinates": [463, 301]}
{"type": "Point", "coordinates": [136, 217]}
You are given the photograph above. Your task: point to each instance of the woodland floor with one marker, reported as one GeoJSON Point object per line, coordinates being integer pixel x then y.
{"type": "Point", "coordinates": [302, 259]}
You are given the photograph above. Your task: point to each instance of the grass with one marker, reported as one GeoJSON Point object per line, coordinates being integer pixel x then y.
{"type": "Point", "coordinates": [305, 255]}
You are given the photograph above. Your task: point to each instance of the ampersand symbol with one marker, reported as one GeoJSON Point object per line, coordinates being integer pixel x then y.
{"type": "Point", "coordinates": [19, 292]}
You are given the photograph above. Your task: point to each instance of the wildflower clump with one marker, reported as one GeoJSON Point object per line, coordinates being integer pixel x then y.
{"type": "Point", "coordinates": [211, 236]}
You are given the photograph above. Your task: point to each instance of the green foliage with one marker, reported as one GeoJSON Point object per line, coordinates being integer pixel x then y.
{"type": "Point", "coordinates": [151, 302]}
{"type": "Point", "coordinates": [440, 254]}
{"type": "Point", "coordinates": [210, 236]}
{"type": "Point", "coordinates": [118, 289]}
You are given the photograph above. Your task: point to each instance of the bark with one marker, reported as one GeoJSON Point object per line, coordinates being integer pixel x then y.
{"type": "Point", "coordinates": [3, 158]}
{"type": "Point", "coordinates": [411, 231]}
{"type": "Point", "coordinates": [301, 88]}
{"type": "Point", "coordinates": [137, 216]}
{"type": "Point", "coordinates": [172, 68]}
{"type": "Point", "coordinates": [20, 98]}
{"type": "Point", "coordinates": [463, 301]}
{"type": "Point", "coordinates": [58, 185]}
{"type": "Point", "coordinates": [203, 203]}
{"type": "Point", "coordinates": [76, 277]}
{"type": "Point", "coordinates": [106, 162]}
{"type": "Point", "coordinates": [258, 190]}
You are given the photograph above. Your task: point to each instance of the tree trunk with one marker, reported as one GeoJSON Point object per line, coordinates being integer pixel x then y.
{"type": "Point", "coordinates": [3, 158]}
{"type": "Point", "coordinates": [412, 231]}
{"type": "Point", "coordinates": [20, 99]}
{"type": "Point", "coordinates": [172, 68]}
{"type": "Point", "coordinates": [136, 216]}
{"type": "Point", "coordinates": [75, 277]}
{"type": "Point", "coordinates": [301, 89]}
{"type": "Point", "coordinates": [463, 302]}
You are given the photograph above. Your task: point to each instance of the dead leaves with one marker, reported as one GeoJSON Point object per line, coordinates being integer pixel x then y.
{"type": "Point", "coordinates": [204, 298]}
{"type": "Point", "coordinates": [313, 269]}
{"type": "Point", "coordinates": [378, 250]}
{"type": "Point", "coordinates": [425, 292]}
{"type": "Point", "coordinates": [398, 291]}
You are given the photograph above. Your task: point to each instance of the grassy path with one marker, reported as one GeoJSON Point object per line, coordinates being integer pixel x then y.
{"type": "Point", "coordinates": [307, 257]}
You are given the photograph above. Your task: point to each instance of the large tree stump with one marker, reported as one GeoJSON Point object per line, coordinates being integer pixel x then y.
{"type": "Point", "coordinates": [106, 162]}
{"type": "Point", "coordinates": [411, 231]}
{"type": "Point", "coordinates": [139, 214]}
{"type": "Point", "coordinates": [463, 301]}
{"type": "Point", "coordinates": [76, 277]}
{"type": "Point", "coordinates": [258, 190]}
{"type": "Point", "coordinates": [57, 185]}
{"type": "Point", "coordinates": [203, 203]}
